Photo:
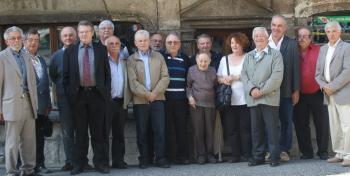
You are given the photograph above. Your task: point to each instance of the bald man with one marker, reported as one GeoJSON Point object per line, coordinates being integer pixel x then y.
{"type": "Point", "coordinates": [68, 37]}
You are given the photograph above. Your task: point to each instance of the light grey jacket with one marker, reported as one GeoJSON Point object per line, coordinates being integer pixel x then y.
{"type": "Point", "coordinates": [339, 72]}
{"type": "Point", "coordinates": [265, 74]}
{"type": "Point", "coordinates": [10, 86]}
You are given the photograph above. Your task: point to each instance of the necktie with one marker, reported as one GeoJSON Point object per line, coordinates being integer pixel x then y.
{"type": "Point", "coordinates": [86, 68]}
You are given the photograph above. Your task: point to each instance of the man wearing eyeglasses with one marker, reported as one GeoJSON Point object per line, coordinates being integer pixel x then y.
{"type": "Point", "coordinates": [310, 100]}
{"type": "Point", "coordinates": [31, 45]}
{"type": "Point", "coordinates": [18, 104]}
{"type": "Point", "coordinates": [176, 104]}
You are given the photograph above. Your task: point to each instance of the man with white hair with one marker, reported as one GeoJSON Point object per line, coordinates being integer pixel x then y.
{"type": "Point", "coordinates": [262, 75]}
{"type": "Point", "coordinates": [105, 30]}
{"type": "Point", "coordinates": [18, 103]}
{"type": "Point", "coordinates": [333, 76]}
{"type": "Point", "coordinates": [148, 80]}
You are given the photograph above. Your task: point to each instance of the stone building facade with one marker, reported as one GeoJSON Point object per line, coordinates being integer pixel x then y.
{"type": "Point", "coordinates": [188, 17]}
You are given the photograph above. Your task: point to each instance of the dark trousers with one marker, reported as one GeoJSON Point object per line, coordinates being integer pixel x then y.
{"type": "Point", "coordinates": [90, 113]}
{"type": "Point", "coordinates": [265, 117]}
{"type": "Point", "coordinates": [40, 140]}
{"type": "Point", "coordinates": [176, 112]}
{"type": "Point", "coordinates": [237, 126]}
{"type": "Point", "coordinates": [203, 120]}
{"type": "Point", "coordinates": [311, 103]}
{"type": "Point", "coordinates": [117, 123]}
{"type": "Point", "coordinates": [147, 115]}
{"type": "Point", "coordinates": [67, 126]}
{"type": "Point", "coordinates": [286, 119]}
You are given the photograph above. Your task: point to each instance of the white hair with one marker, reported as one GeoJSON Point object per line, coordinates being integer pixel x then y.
{"type": "Point", "coordinates": [105, 23]}
{"type": "Point", "coordinates": [12, 29]}
{"type": "Point", "coordinates": [141, 32]}
{"type": "Point", "coordinates": [332, 24]}
{"type": "Point", "coordinates": [260, 29]}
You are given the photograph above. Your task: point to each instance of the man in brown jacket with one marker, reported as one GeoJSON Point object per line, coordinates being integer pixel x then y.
{"type": "Point", "coordinates": [148, 80]}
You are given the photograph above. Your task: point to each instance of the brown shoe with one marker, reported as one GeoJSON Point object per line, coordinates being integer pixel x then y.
{"type": "Point", "coordinates": [334, 160]}
{"type": "Point", "coordinates": [345, 163]}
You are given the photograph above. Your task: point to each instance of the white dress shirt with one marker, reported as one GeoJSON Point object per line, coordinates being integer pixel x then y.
{"type": "Point", "coordinates": [273, 45]}
{"type": "Point", "coordinates": [329, 57]}
{"type": "Point", "coordinates": [117, 77]}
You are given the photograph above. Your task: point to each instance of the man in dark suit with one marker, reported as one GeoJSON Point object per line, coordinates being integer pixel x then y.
{"type": "Point", "coordinates": [31, 45]}
{"type": "Point", "coordinates": [87, 84]}
{"type": "Point", "coordinates": [68, 37]}
{"type": "Point", "coordinates": [290, 83]}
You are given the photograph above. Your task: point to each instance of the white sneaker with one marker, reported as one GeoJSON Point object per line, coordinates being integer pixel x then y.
{"type": "Point", "coordinates": [284, 156]}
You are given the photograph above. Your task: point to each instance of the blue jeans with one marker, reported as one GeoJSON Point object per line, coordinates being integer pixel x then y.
{"type": "Point", "coordinates": [286, 119]}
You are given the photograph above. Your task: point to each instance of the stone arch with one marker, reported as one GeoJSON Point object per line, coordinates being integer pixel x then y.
{"type": "Point", "coordinates": [308, 8]}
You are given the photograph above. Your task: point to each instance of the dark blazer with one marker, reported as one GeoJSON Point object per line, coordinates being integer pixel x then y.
{"type": "Point", "coordinates": [71, 78]}
{"type": "Point", "coordinates": [56, 71]}
{"type": "Point", "coordinates": [43, 90]}
{"type": "Point", "coordinates": [291, 75]}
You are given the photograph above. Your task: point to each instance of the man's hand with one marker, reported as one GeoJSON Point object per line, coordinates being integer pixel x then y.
{"type": "Point", "coordinates": [256, 93]}
{"type": "Point", "coordinates": [295, 97]}
{"type": "Point", "coordinates": [152, 97]}
{"type": "Point", "coordinates": [1, 117]}
{"type": "Point", "coordinates": [328, 90]}
{"type": "Point", "coordinates": [47, 112]}
{"type": "Point", "coordinates": [192, 102]}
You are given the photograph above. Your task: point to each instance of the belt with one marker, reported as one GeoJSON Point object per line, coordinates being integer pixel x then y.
{"type": "Point", "coordinates": [117, 99]}
{"type": "Point", "coordinates": [87, 88]}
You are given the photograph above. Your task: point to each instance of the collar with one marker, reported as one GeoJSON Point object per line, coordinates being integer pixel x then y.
{"type": "Point", "coordinates": [81, 45]}
{"type": "Point", "coordinates": [266, 50]}
{"type": "Point", "coordinates": [15, 52]}
{"type": "Point", "coordinates": [143, 54]}
{"type": "Point", "coordinates": [335, 45]}
{"type": "Point", "coordinates": [279, 42]}
{"type": "Point", "coordinates": [37, 55]}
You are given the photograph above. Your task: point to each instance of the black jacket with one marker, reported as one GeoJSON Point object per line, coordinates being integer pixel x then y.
{"type": "Point", "coordinates": [71, 77]}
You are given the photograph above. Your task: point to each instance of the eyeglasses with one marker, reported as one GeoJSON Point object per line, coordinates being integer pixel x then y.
{"type": "Point", "coordinates": [304, 36]}
{"type": "Point", "coordinates": [30, 40]}
{"type": "Point", "coordinates": [15, 38]}
{"type": "Point", "coordinates": [173, 42]}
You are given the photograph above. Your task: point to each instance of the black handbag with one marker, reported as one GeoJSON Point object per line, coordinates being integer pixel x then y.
{"type": "Point", "coordinates": [223, 93]}
{"type": "Point", "coordinates": [47, 127]}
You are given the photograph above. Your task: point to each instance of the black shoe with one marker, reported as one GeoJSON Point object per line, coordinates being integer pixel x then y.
{"type": "Point", "coordinates": [143, 165]}
{"type": "Point", "coordinates": [212, 159]}
{"type": "Point", "coordinates": [32, 174]}
{"type": "Point", "coordinates": [76, 170]}
{"type": "Point", "coordinates": [67, 167]}
{"type": "Point", "coordinates": [201, 160]}
{"type": "Point", "coordinates": [274, 163]}
{"type": "Point", "coordinates": [102, 169]}
{"type": "Point", "coordinates": [234, 160]}
{"type": "Point", "coordinates": [323, 156]}
{"type": "Point", "coordinates": [120, 165]}
{"type": "Point", "coordinates": [183, 161]}
{"type": "Point", "coordinates": [41, 169]}
{"type": "Point", "coordinates": [162, 163]}
{"type": "Point", "coordinates": [254, 162]}
{"type": "Point", "coordinates": [88, 167]}
{"type": "Point", "coordinates": [305, 157]}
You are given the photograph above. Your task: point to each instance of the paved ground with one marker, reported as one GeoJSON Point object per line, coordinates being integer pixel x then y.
{"type": "Point", "coordinates": [292, 168]}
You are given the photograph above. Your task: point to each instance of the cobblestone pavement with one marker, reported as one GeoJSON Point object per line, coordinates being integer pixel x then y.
{"type": "Point", "coordinates": [292, 168]}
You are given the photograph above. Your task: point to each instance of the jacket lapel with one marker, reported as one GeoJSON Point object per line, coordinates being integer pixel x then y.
{"type": "Point", "coordinates": [284, 45]}
{"type": "Point", "coordinates": [13, 62]}
{"type": "Point", "coordinates": [336, 51]}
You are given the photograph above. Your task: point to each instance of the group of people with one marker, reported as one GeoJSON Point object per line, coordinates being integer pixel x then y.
{"type": "Point", "coordinates": [279, 82]}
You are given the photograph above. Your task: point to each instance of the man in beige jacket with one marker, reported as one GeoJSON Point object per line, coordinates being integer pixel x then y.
{"type": "Point", "coordinates": [148, 80]}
